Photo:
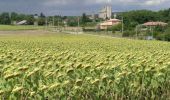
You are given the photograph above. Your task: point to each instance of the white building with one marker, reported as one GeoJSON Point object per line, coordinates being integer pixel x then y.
{"type": "Point", "coordinates": [22, 22]}
{"type": "Point", "coordinates": [106, 12]}
{"type": "Point", "coordinates": [109, 23]}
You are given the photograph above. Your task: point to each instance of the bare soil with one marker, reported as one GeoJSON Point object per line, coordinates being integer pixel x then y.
{"type": "Point", "coordinates": [25, 32]}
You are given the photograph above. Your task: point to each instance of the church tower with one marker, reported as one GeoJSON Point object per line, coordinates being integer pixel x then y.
{"type": "Point", "coordinates": [106, 12]}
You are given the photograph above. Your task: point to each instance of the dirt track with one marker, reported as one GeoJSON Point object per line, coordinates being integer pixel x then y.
{"type": "Point", "coordinates": [25, 32]}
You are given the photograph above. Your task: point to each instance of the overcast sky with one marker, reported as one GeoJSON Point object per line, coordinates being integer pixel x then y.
{"type": "Point", "coordinates": [77, 7]}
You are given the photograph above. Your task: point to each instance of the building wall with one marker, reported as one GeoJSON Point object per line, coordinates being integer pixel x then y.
{"type": "Point", "coordinates": [106, 12]}
{"type": "Point", "coordinates": [109, 12]}
{"type": "Point", "coordinates": [107, 25]}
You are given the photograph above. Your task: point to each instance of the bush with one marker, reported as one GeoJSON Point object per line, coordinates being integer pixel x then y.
{"type": "Point", "coordinates": [160, 29]}
{"type": "Point", "coordinates": [89, 30]}
{"type": "Point", "coordinates": [163, 37]}
{"type": "Point", "coordinates": [115, 28]}
{"type": "Point", "coordinates": [167, 37]}
{"type": "Point", "coordinates": [160, 36]}
{"type": "Point", "coordinates": [128, 33]}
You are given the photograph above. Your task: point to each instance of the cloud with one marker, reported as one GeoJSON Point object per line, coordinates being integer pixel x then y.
{"type": "Point", "coordinates": [57, 2]}
{"type": "Point", "coordinates": [64, 2]}
{"type": "Point", "coordinates": [99, 2]}
{"type": "Point", "coordinates": [154, 2]}
{"type": "Point", "coordinates": [77, 7]}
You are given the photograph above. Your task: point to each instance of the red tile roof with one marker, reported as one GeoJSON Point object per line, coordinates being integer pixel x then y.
{"type": "Point", "coordinates": [155, 24]}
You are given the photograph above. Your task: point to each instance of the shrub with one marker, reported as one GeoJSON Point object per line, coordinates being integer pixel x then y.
{"type": "Point", "coordinates": [116, 28]}
{"type": "Point", "coordinates": [128, 33]}
{"type": "Point", "coordinates": [160, 36]}
{"type": "Point", "coordinates": [167, 36]}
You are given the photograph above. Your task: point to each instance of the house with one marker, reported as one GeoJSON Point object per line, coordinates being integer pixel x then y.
{"type": "Point", "coordinates": [155, 24]}
{"type": "Point", "coordinates": [22, 22]}
{"type": "Point", "coordinates": [149, 26]}
{"type": "Point", "coordinates": [109, 23]}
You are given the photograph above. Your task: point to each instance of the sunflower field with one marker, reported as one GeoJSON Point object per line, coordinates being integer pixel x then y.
{"type": "Point", "coordinates": [83, 67]}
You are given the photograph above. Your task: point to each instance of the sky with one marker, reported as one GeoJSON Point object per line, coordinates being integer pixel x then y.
{"type": "Point", "coordinates": [77, 7]}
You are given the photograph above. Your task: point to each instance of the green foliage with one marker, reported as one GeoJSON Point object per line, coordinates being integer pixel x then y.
{"type": "Point", "coordinates": [129, 33]}
{"type": "Point", "coordinates": [42, 15]}
{"type": "Point", "coordinates": [116, 28]}
{"type": "Point", "coordinates": [140, 16]}
{"type": "Point", "coordinates": [72, 22]}
{"type": "Point", "coordinates": [165, 35]}
{"type": "Point", "coordinates": [160, 29]}
{"type": "Point", "coordinates": [160, 36]}
{"type": "Point", "coordinates": [14, 16]}
{"type": "Point", "coordinates": [5, 19]}
{"type": "Point", "coordinates": [91, 24]}
{"type": "Point", "coordinates": [30, 19]}
{"type": "Point", "coordinates": [19, 17]}
{"type": "Point", "coordinates": [41, 21]}
{"type": "Point", "coordinates": [85, 20]}
{"type": "Point", "coordinates": [132, 18]}
{"type": "Point", "coordinates": [89, 29]}
{"type": "Point", "coordinates": [165, 15]}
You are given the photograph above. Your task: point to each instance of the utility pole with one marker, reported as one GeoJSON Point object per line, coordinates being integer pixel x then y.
{"type": "Point", "coordinates": [58, 22]}
{"type": "Point", "coordinates": [53, 21]}
{"type": "Point", "coordinates": [93, 16]}
{"type": "Point", "coordinates": [152, 33]}
{"type": "Point", "coordinates": [78, 22]}
{"type": "Point", "coordinates": [137, 29]}
{"type": "Point", "coordinates": [61, 25]}
{"type": "Point", "coordinates": [10, 18]}
{"type": "Point", "coordinates": [46, 22]}
{"type": "Point", "coordinates": [122, 25]}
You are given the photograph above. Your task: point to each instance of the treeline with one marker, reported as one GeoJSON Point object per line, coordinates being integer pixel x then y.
{"type": "Point", "coordinates": [9, 18]}
{"type": "Point", "coordinates": [138, 17]}
{"type": "Point", "coordinates": [133, 18]}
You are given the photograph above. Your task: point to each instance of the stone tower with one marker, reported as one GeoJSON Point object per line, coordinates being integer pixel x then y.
{"type": "Point", "coordinates": [106, 11]}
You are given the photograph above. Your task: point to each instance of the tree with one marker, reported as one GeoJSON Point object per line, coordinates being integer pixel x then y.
{"type": "Point", "coordinates": [5, 19]}
{"type": "Point", "coordinates": [84, 19]}
{"type": "Point", "coordinates": [116, 28]}
{"type": "Point", "coordinates": [30, 19]}
{"type": "Point", "coordinates": [133, 18]}
{"type": "Point", "coordinates": [14, 16]}
{"type": "Point", "coordinates": [165, 15]}
{"type": "Point", "coordinates": [42, 15]}
{"type": "Point", "coordinates": [64, 17]}
{"type": "Point", "coordinates": [167, 34]}
{"type": "Point", "coordinates": [41, 21]}
{"type": "Point", "coordinates": [72, 22]}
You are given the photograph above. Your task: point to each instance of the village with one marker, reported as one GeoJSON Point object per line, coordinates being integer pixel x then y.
{"type": "Point", "coordinates": [102, 21]}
